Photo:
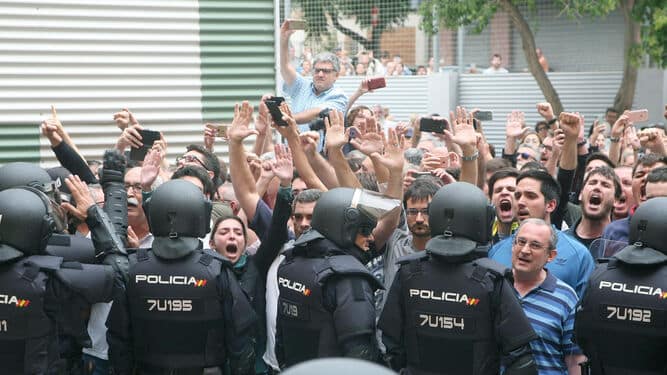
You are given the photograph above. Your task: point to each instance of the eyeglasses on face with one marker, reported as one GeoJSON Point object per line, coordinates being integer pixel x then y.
{"type": "Point", "coordinates": [190, 159]}
{"type": "Point", "coordinates": [417, 211]}
{"type": "Point", "coordinates": [322, 70]}
{"type": "Point", "coordinates": [136, 186]}
{"type": "Point", "coordinates": [532, 245]}
{"type": "Point", "coordinates": [525, 156]}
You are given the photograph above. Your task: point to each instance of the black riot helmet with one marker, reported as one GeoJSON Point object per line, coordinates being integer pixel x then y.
{"type": "Point", "coordinates": [341, 213]}
{"type": "Point", "coordinates": [18, 174]}
{"type": "Point", "coordinates": [25, 174]}
{"type": "Point", "coordinates": [462, 212]}
{"type": "Point", "coordinates": [26, 222]}
{"type": "Point", "coordinates": [648, 226]}
{"type": "Point", "coordinates": [178, 209]}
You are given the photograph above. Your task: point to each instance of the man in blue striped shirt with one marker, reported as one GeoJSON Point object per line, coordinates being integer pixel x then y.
{"type": "Point", "coordinates": [548, 302]}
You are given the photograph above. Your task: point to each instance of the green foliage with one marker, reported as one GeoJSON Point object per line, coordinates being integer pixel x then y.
{"type": "Point", "coordinates": [452, 14]}
{"type": "Point", "coordinates": [652, 15]}
{"type": "Point", "coordinates": [317, 12]}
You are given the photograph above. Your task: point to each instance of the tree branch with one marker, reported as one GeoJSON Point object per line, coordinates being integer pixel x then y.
{"type": "Point", "coordinates": [355, 36]}
{"type": "Point", "coordinates": [528, 45]}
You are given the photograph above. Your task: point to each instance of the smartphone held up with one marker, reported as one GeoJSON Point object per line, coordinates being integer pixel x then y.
{"type": "Point", "coordinates": [148, 137]}
{"type": "Point", "coordinates": [433, 125]}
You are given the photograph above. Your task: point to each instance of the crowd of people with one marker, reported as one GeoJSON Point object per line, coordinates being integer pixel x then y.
{"type": "Point", "coordinates": [424, 252]}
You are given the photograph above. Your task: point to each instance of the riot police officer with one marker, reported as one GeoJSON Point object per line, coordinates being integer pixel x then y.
{"type": "Point", "coordinates": [39, 293]}
{"type": "Point", "coordinates": [182, 311]}
{"type": "Point", "coordinates": [326, 304]}
{"type": "Point", "coordinates": [70, 247]}
{"type": "Point", "coordinates": [620, 323]}
{"type": "Point", "coordinates": [449, 309]}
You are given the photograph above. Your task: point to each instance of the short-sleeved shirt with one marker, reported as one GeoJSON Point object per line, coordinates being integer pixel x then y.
{"type": "Point", "coordinates": [550, 308]}
{"type": "Point", "coordinates": [573, 264]}
{"type": "Point", "coordinates": [303, 97]}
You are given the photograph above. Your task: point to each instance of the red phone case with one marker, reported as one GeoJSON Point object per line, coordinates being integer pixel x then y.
{"type": "Point", "coordinates": [376, 83]}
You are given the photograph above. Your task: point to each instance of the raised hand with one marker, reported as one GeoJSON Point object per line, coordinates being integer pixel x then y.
{"type": "Point", "coordinates": [124, 118]}
{"type": "Point", "coordinates": [430, 162]}
{"type": "Point", "coordinates": [393, 158]}
{"type": "Point", "coordinates": [571, 123]}
{"type": "Point", "coordinates": [336, 136]}
{"type": "Point", "coordinates": [309, 141]}
{"type": "Point", "coordinates": [619, 126]}
{"type": "Point", "coordinates": [558, 141]}
{"type": "Point", "coordinates": [545, 110]}
{"type": "Point", "coordinates": [463, 132]}
{"type": "Point", "coordinates": [631, 137]}
{"type": "Point", "coordinates": [514, 125]}
{"type": "Point", "coordinates": [130, 137]}
{"type": "Point", "coordinates": [81, 195]}
{"type": "Point", "coordinates": [290, 131]}
{"type": "Point", "coordinates": [150, 169]}
{"type": "Point", "coordinates": [210, 132]}
{"type": "Point", "coordinates": [598, 128]}
{"type": "Point", "coordinates": [283, 167]}
{"type": "Point", "coordinates": [369, 140]}
{"type": "Point", "coordinates": [239, 129]}
{"type": "Point", "coordinates": [263, 120]}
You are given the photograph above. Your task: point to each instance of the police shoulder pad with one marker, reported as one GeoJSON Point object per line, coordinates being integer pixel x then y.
{"type": "Point", "coordinates": [414, 257]}
{"type": "Point", "coordinates": [345, 265]}
{"type": "Point", "coordinates": [94, 282]}
{"type": "Point", "coordinates": [487, 264]}
{"type": "Point", "coordinates": [45, 262]}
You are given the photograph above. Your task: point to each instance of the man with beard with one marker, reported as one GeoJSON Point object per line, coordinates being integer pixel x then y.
{"type": "Point", "coordinates": [626, 200]}
{"type": "Point", "coordinates": [502, 186]}
{"type": "Point", "coordinates": [413, 232]}
{"type": "Point", "coordinates": [537, 195]}
{"type": "Point", "coordinates": [619, 230]}
{"type": "Point", "coordinates": [600, 190]}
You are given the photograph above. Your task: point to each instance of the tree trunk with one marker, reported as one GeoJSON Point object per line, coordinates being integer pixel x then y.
{"type": "Point", "coordinates": [528, 45]}
{"type": "Point", "coordinates": [626, 92]}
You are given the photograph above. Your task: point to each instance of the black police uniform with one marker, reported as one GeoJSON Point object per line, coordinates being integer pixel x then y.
{"type": "Point", "coordinates": [41, 296]}
{"type": "Point", "coordinates": [621, 323]}
{"type": "Point", "coordinates": [183, 311]}
{"type": "Point", "coordinates": [326, 306]}
{"type": "Point", "coordinates": [449, 310]}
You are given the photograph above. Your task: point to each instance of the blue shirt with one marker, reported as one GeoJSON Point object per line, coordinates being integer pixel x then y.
{"type": "Point", "coordinates": [550, 309]}
{"type": "Point", "coordinates": [573, 264]}
{"type": "Point", "coordinates": [303, 97]}
{"type": "Point", "coordinates": [618, 230]}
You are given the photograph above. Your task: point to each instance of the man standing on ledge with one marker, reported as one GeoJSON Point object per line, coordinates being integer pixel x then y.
{"type": "Point", "coordinates": [309, 98]}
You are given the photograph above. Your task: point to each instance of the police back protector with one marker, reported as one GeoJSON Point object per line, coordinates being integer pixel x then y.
{"type": "Point", "coordinates": [308, 329]}
{"type": "Point", "coordinates": [26, 333]}
{"type": "Point", "coordinates": [449, 317]}
{"type": "Point", "coordinates": [622, 321]}
{"type": "Point", "coordinates": [176, 313]}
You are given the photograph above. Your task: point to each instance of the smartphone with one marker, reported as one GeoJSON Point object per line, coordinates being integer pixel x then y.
{"type": "Point", "coordinates": [296, 24]}
{"type": "Point", "coordinates": [221, 131]}
{"type": "Point", "coordinates": [433, 125]}
{"type": "Point", "coordinates": [484, 115]}
{"type": "Point", "coordinates": [639, 115]}
{"type": "Point", "coordinates": [273, 104]}
{"type": "Point", "coordinates": [376, 83]}
{"type": "Point", "coordinates": [148, 137]}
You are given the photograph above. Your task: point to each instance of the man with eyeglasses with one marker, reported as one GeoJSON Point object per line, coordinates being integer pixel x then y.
{"type": "Point", "coordinates": [549, 303]}
{"type": "Point", "coordinates": [537, 195]}
{"type": "Point", "coordinates": [413, 231]}
{"type": "Point", "coordinates": [309, 98]}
